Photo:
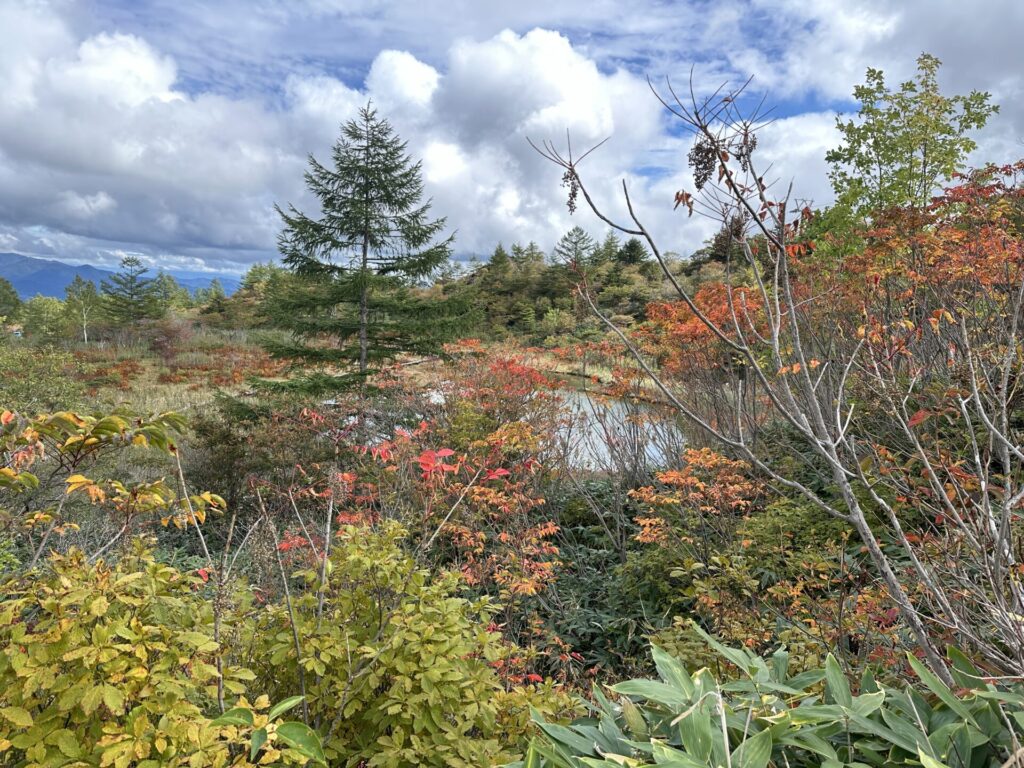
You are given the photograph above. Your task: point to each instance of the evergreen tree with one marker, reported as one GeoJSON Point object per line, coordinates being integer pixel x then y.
{"type": "Point", "coordinates": [169, 293]}
{"type": "Point", "coordinates": [609, 248]}
{"type": "Point", "coordinates": [371, 244]}
{"type": "Point", "coordinates": [575, 248]}
{"type": "Point", "coordinates": [632, 252]}
{"type": "Point", "coordinates": [499, 262]}
{"type": "Point", "coordinates": [527, 256]}
{"type": "Point", "coordinates": [82, 303]}
{"type": "Point", "coordinates": [214, 300]}
{"type": "Point", "coordinates": [10, 301]}
{"type": "Point", "coordinates": [129, 297]}
{"type": "Point", "coordinates": [259, 277]}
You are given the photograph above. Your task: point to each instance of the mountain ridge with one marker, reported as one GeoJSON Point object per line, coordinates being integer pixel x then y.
{"type": "Point", "coordinates": [31, 276]}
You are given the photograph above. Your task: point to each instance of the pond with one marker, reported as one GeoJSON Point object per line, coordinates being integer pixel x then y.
{"type": "Point", "coordinates": [603, 433]}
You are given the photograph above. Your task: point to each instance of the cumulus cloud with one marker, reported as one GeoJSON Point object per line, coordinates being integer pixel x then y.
{"type": "Point", "coordinates": [173, 133]}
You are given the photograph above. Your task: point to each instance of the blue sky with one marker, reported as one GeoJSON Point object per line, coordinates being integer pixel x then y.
{"type": "Point", "coordinates": [169, 129]}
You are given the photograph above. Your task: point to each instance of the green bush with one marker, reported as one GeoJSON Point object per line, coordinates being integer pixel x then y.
{"type": "Point", "coordinates": [396, 667]}
{"type": "Point", "coordinates": [38, 379]}
{"type": "Point", "coordinates": [110, 666]}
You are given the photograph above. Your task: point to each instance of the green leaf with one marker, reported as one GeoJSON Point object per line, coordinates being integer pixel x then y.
{"type": "Point", "coordinates": [236, 716]}
{"type": "Point", "coordinates": [532, 757]}
{"type": "Point", "coordinates": [98, 607]}
{"type": "Point", "coordinates": [259, 738]}
{"type": "Point", "coordinates": [668, 757]}
{"type": "Point", "coordinates": [91, 699]}
{"type": "Point", "coordinates": [739, 658]}
{"type": "Point", "coordinates": [755, 752]}
{"type": "Point", "coordinates": [695, 732]}
{"type": "Point", "coordinates": [899, 731]}
{"type": "Point", "coordinates": [836, 683]}
{"type": "Point", "coordinates": [929, 762]}
{"type": "Point", "coordinates": [302, 739]}
{"type": "Point", "coordinates": [67, 743]}
{"type": "Point", "coordinates": [283, 706]}
{"type": "Point", "coordinates": [964, 672]}
{"type": "Point", "coordinates": [867, 703]}
{"type": "Point", "coordinates": [568, 737]}
{"type": "Point", "coordinates": [671, 671]}
{"type": "Point", "coordinates": [113, 698]}
{"type": "Point", "coordinates": [652, 690]}
{"type": "Point", "coordinates": [940, 689]}
{"type": "Point", "coordinates": [17, 715]}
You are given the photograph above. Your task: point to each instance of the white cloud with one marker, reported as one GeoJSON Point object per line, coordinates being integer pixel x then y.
{"type": "Point", "coordinates": [121, 69]}
{"type": "Point", "coordinates": [85, 206]}
{"type": "Point", "coordinates": [173, 133]}
{"type": "Point", "coordinates": [399, 82]}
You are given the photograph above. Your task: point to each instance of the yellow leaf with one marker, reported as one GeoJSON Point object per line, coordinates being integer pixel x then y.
{"type": "Point", "coordinates": [99, 606]}
{"type": "Point", "coordinates": [17, 715]}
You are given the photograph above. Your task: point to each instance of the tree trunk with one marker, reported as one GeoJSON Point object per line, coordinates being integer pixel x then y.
{"type": "Point", "coordinates": [364, 307]}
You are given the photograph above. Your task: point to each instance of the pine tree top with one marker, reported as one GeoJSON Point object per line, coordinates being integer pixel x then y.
{"type": "Point", "coordinates": [371, 209]}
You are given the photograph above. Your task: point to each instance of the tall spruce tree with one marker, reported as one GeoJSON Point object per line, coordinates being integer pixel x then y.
{"type": "Point", "coordinates": [608, 249]}
{"type": "Point", "coordinates": [575, 248]}
{"type": "Point", "coordinates": [129, 296]}
{"type": "Point", "coordinates": [353, 306]}
{"type": "Point", "coordinates": [632, 252]}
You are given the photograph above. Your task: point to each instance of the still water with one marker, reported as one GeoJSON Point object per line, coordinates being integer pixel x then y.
{"type": "Point", "coordinates": [602, 433]}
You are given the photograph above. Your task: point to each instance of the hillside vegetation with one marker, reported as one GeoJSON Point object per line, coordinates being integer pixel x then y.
{"type": "Point", "coordinates": [353, 514]}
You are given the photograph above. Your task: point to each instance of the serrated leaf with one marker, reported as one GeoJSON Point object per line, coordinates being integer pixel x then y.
{"type": "Point", "coordinates": [17, 715]}
{"type": "Point", "coordinates": [113, 698]}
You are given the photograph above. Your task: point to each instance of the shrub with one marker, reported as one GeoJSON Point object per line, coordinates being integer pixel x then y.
{"type": "Point", "coordinates": [397, 668]}
{"type": "Point", "coordinates": [109, 665]}
{"type": "Point", "coordinates": [37, 378]}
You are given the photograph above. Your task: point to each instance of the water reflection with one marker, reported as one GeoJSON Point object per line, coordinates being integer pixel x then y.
{"type": "Point", "coordinates": [602, 433]}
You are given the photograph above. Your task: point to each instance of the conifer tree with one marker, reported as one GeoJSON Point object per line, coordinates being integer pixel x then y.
{"type": "Point", "coordinates": [10, 301]}
{"type": "Point", "coordinates": [357, 261]}
{"type": "Point", "coordinates": [608, 249]}
{"type": "Point", "coordinates": [169, 292]}
{"type": "Point", "coordinates": [129, 296]}
{"type": "Point", "coordinates": [632, 252]}
{"type": "Point", "coordinates": [499, 261]}
{"type": "Point", "coordinates": [575, 248]}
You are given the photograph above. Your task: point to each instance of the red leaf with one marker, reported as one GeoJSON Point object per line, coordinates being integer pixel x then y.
{"type": "Point", "coordinates": [918, 418]}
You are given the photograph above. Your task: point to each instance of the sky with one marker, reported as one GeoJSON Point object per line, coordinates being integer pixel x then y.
{"type": "Point", "coordinates": [170, 128]}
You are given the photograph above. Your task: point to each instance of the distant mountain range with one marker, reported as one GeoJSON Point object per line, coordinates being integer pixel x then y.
{"type": "Point", "coordinates": [31, 276]}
